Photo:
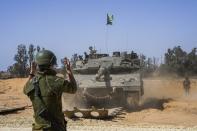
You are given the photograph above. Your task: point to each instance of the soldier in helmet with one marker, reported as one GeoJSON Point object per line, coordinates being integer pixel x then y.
{"type": "Point", "coordinates": [186, 85]}
{"type": "Point", "coordinates": [92, 54]}
{"type": "Point", "coordinates": [45, 89]}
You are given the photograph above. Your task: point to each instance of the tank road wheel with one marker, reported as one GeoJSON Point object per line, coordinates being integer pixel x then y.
{"type": "Point", "coordinates": [132, 100]}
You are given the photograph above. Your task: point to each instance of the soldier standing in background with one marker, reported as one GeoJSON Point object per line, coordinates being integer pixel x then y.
{"type": "Point", "coordinates": [186, 85]}
{"type": "Point", "coordinates": [45, 90]}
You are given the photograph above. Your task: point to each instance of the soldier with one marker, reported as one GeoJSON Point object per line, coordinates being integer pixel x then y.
{"type": "Point", "coordinates": [92, 54]}
{"type": "Point", "coordinates": [45, 91]}
{"type": "Point", "coordinates": [186, 85]}
{"type": "Point", "coordinates": [104, 70]}
{"type": "Point", "coordinates": [86, 57]}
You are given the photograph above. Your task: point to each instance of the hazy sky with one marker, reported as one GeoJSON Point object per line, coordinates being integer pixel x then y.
{"type": "Point", "coordinates": [71, 26]}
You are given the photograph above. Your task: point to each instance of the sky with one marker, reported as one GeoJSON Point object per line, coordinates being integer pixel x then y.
{"type": "Point", "coordinates": [71, 26]}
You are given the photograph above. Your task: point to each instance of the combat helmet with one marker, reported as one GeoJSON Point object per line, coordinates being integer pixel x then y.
{"type": "Point", "coordinates": [46, 58]}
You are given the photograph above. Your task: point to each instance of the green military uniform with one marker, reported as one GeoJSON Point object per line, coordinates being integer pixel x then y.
{"type": "Point", "coordinates": [51, 89]}
{"type": "Point", "coordinates": [45, 91]}
{"type": "Point", "coordinates": [186, 86]}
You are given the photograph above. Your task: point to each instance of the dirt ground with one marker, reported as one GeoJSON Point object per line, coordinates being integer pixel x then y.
{"type": "Point", "coordinates": [164, 106]}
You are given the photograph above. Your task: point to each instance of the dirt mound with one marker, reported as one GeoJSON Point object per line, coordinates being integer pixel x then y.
{"type": "Point", "coordinates": [12, 92]}
{"type": "Point", "coordinates": [181, 106]}
{"type": "Point", "coordinates": [154, 103]}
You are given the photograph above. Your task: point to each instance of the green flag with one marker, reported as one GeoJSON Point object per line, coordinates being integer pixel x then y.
{"type": "Point", "coordinates": [109, 19]}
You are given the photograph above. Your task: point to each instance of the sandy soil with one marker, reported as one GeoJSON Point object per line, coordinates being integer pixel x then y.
{"type": "Point", "coordinates": [164, 106]}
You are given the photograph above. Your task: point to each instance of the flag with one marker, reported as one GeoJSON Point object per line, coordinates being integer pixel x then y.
{"type": "Point", "coordinates": [109, 19]}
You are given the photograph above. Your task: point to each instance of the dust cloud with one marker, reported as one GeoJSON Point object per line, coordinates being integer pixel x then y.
{"type": "Point", "coordinates": [168, 88]}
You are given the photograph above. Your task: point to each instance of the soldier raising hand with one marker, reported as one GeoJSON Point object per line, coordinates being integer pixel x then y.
{"type": "Point", "coordinates": [45, 90]}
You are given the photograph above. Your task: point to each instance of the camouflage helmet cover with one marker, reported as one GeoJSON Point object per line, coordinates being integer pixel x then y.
{"type": "Point", "coordinates": [46, 57]}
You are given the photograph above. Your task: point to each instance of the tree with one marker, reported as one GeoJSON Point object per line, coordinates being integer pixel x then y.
{"type": "Point", "coordinates": [180, 62]}
{"type": "Point", "coordinates": [148, 65]}
{"type": "Point", "coordinates": [14, 70]}
{"type": "Point", "coordinates": [21, 59]}
{"type": "Point", "coordinates": [192, 61]}
{"type": "Point", "coordinates": [31, 53]}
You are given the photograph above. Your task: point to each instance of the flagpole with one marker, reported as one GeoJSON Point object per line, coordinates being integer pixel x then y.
{"type": "Point", "coordinates": [109, 22]}
{"type": "Point", "coordinates": [106, 38]}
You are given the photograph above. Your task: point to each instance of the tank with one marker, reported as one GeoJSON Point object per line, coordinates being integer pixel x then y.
{"type": "Point", "coordinates": [105, 81]}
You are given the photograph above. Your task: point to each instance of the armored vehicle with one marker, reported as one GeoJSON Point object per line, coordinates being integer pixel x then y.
{"type": "Point", "coordinates": [105, 80]}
